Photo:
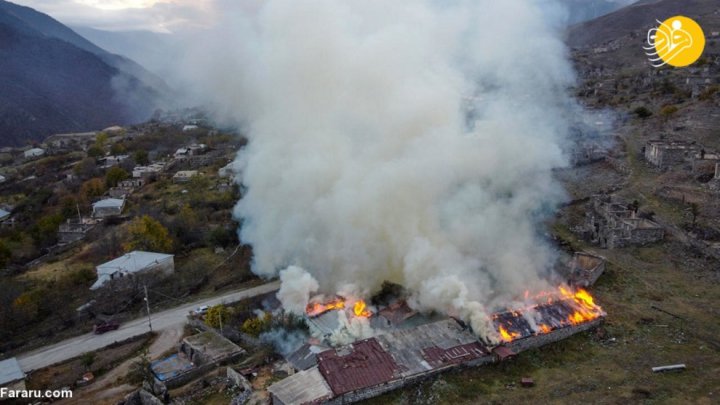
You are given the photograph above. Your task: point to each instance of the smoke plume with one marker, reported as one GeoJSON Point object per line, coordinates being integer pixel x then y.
{"type": "Point", "coordinates": [408, 141]}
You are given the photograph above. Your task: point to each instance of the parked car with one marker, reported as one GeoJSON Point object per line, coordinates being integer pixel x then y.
{"type": "Point", "coordinates": [202, 310]}
{"type": "Point", "coordinates": [106, 326]}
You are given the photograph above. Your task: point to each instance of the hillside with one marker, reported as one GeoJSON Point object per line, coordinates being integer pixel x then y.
{"type": "Point", "coordinates": [54, 80]}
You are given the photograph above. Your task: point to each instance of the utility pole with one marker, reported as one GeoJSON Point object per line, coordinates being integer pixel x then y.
{"type": "Point", "coordinates": [222, 307]}
{"type": "Point", "coordinates": [147, 305]}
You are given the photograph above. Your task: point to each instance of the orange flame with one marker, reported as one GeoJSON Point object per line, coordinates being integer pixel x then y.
{"type": "Point", "coordinates": [319, 308]}
{"type": "Point", "coordinates": [581, 302]}
{"type": "Point", "coordinates": [360, 309]}
{"type": "Point", "coordinates": [508, 336]}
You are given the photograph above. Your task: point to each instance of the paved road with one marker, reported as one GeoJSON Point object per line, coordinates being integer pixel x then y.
{"type": "Point", "coordinates": [170, 318]}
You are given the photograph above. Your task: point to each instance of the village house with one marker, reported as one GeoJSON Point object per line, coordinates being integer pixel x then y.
{"type": "Point", "coordinates": [78, 141]}
{"type": "Point", "coordinates": [188, 128]}
{"type": "Point", "coordinates": [613, 223]}
{"type": "Point", "coordinates": [192, 150]}
{"type": "Point", "coordinates": [147, 172]}
{"type": "Point", "coordinates": [133, 263]}
{"type": "Point", "coordinates": [2, 179]}
{"type": "Point", "coordinates": [73, 230]}
{"type": "Point", "coordinates": [664, 154]}
{"type": "Point", "coordinates": [113, 160]}
{"type": "Point", "coordinates": [197, 355]}
{"type": "Point", "coordinates": [183, 176]}
{"type": "Point", "coordinates": [33, 153]}
{"type": "Point", "coordinates": [4, 214]}
{"type": "Point", "coordinates": [11, 375]}
{"type": "Point", "coordinates": [108, 207]}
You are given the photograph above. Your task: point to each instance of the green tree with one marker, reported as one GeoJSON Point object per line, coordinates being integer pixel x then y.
{"type": "Point", "coordinates": [115, 175]}
{"type": "Point", "coordinates": [117, 149]}
{"type": "Point", "coordinates": [69, 206]}
{"type": "Point", "coordinates": [95, 151]}
{"type": "Point", "coordinates": [147, 233]}
{"type": "Point", "coordinates": [44, 232]}
{"type": "Point", "coordinates": [101, 139]}
{"type": "Point", "coordinates": [217, 315]}
{"type": "Point", "coordinates": [141, 157]}
{"type": "Point", "coordinates": [87, 360]}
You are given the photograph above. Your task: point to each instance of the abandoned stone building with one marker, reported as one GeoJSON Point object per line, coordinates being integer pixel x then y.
{"type": "Point", "coordinates": [585, 269]}
{"type": "Point", "coordinates": [613, 223]}
{"type": "Point", "coordinates": [664, 154]}
{"type": "Point", "coordinates": [73, 230]}
{"type": "Point", "coordinates": [197, 355]}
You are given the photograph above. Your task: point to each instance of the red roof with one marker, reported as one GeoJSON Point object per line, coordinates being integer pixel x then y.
{"type": "Point", "coordinates": [366, 365]}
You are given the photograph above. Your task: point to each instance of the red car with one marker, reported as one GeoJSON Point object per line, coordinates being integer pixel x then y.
{"type": "Point", "coordinates": [107, 326]}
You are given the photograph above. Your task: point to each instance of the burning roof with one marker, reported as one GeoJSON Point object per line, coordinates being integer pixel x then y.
{"type": "Point", "coordinates": [561, 309]}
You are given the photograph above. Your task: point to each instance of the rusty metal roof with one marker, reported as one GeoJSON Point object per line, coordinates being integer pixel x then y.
{"type": "Point", "coordinates": [438, 357]}
{"type": "Point", "coordinates": [363, 364]}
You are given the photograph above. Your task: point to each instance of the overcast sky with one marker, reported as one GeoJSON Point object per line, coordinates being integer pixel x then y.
{"type": "Point", "coordinates": [117, 15]}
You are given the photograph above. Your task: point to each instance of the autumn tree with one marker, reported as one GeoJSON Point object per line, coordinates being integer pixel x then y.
{"type": "Point", "coordinates": [217, 316]}
{"type": "Point", "coordinates": [92, 188]}
{"type": "Point", "coordinates": [115, 175]}
{"type": "Point", "coordinates": [147, 233]}
{"type": "Point", "coordinates": [257, 325]}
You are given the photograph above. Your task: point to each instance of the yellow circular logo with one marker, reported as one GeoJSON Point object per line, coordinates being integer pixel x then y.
{"type": "Point", "coordinates": [678, 41]}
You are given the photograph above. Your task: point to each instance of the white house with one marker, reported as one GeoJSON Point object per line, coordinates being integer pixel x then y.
{"type": "Point", "coordinates": [108, 207]}
{"type": "Point", "coordinates": [33, 153]}
{"type": "Point", "coordinates": [4, 214]}
{"type": "Point", "coordinates": [133, 263]}
{"type": "Point", "coordinates": [183, 176]}
{"type": "Point", "coordinates": [11, 375]}
{"type": "Point", "coordinates": [147, 171]}
{"type": "Point", "coordinates": [2, 178]}
{"type": "Point", "coordinates": [188, 128]}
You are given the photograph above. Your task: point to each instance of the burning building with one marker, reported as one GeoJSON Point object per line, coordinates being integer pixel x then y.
{"type": "Point", "coordinates": [399, 356]}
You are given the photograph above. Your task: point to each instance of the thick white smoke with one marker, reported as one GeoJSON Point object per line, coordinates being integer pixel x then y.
{"type": "Point", "coordinates": [409, 141]}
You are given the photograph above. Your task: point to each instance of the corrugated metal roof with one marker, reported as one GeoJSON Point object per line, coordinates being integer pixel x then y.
{"type": "Point", "coordinates": [305, 357]}
{"type": "Point", "coordinates": [133, 262]}
{"type": "Point", "coordinates": [360, 365]}
{"type": "Point", "coordinates": [441, 338]}
{"type": "Point", "coordinates": [303, 387]}
{"type": "Point", "coordinates": [10, 371]}
{"type": "Point", "coordinates": [109, 203]}
{"type": "Point", "coordinates": [438, 357]}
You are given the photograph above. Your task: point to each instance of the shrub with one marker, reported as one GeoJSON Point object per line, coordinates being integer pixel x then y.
{"type": "Point", "coordinates": [642, 112]}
